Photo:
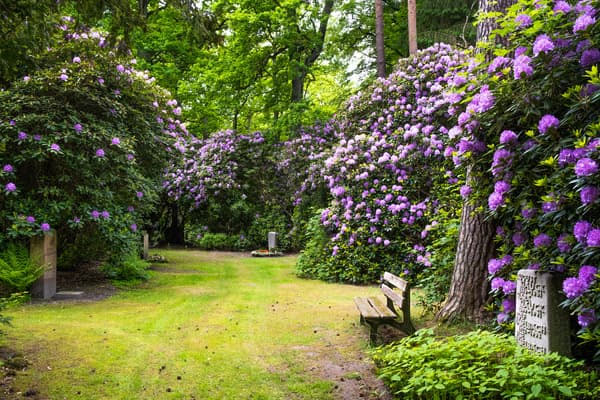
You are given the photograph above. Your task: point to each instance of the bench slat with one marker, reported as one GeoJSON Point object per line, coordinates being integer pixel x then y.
{"type": "Point", "coordinates": [390, 294]}
{"type": "Point", "coordinates": [394, 280]}
{"type": "Point", "coordinates": [365, 308]}
{"type": "Point", "coordinates": [381, 308]}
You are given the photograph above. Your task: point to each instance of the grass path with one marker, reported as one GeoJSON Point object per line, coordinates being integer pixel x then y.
{"type": "Point", "coordinates": [209, 326]}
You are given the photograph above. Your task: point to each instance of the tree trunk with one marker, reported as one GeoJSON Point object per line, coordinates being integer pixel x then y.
{"type": "Point", "coordinates": [379, 45]}
{"type": "Point", "coordinates": [412, 27]}
{"type": "Point", "coordinates": [469, 287]}
{"type": "Point", "coordinates": [298, 87]}
{"type": "Point", "coordinates": [175, 232]}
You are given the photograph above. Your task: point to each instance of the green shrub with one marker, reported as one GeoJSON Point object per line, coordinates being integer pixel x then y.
{"type": "Point", "coordinates": [479, 365]}
{"type": "Point", "coordinates": [131, 268]}
{"type": "Point", "coordinates": [17, 270]}
{"type": "Point", "coordinates": [5, 302]}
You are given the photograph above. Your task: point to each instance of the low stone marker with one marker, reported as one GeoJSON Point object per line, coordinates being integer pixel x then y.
{"type": "Point", "coordinates": [146, 246]}
{"type": "Point", "coordinates": [272, 239]}
{"type": "Point", "coordinates": [541, 324]}
{"type": "Point", "coordinates": [42, 251]}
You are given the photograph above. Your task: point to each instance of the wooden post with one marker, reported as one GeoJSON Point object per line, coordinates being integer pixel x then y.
{"type": "Point", "coordinates": [43, 252]}
{"type": "Point", "coordinates": [412, 27]}
{"type": "Point", "coordinates": [146, 246]}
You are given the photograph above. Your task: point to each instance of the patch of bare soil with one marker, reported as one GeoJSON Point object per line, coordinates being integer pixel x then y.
{"type": "Point", "coordinates": [353, 373]}
{"type": "Point", "coordinates": [88, 279]}
{"type": "Point", "coordinates": [172, 270]}
{"type": "Point", "coordinates": [12, 363]}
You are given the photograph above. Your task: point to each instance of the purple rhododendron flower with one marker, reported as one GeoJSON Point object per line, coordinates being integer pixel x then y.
{"type": "Point", "coordinates": [95, 214]}
{"type": "Point", "coordinates": [583, 22]}
{"type": "Point", "coordinates": [139, 195]}
{"type": "Point", "coordinates": [502, 317]}
{"type": "Point", "coordinates": [519, 238]}
{"type": "Point", "coordinates": [580, 230]}
{"type": "Point", "coordinates": [563, 243]}
{"type": "Point", "coordinates": [76, 59]}
{"type": "Point", "coordinates": [495, 200]}
{"type": "Point", "coordinates": [8, 168]}
{"type": "Point", "coordinates": [105, 214]}
{"type": "Point", "coordinates": [45, 227]}
{"type": "Point", "coordinates": [589, 57]}
{"type": "Point", "coordinates": [100, 153]}
{"type": "Point", "coordinates": [587, 273]}
{"type": "Point", "coordinates": [522, 65]}
{"type": "Point", "coordinates": [497, 283]}
{"type": "Point", "coordinates": [78, 128]}
{"type": "Point", "coordinates": [542, 44]}
{"type": "Point", "coordinates": [508, 305]}
{"type": "Point", "coordinates": [116, 141]}
{"type": "Point", "coordinates": [30, 219]}
{"type": "Point", "coordinates": [133, 227]}
{"type": "Point", "coordinates": [528, 213]}
{"type": "Point", "coordinates": [54, 147]}
{"type": "Point", "coordinates": [562, 6]}
{"type": "Point", "coordinates": [509, 287]}
{"type": "Point", "coordinates": [587, 318]}
{"type": "Point", "coordinates": [586, 167]}
{"type": "Point", "coordinates": [593, 238]}
{"type": "Point", "coordinates": [573, 287]}
{"type": "Point", "coordinates": [120, 68]}
{"type": "Point", "coordinates": [507, 137]}
{"type": "Point", "coordinates": [22, 135]}
{"type": "Point", "coordinates": [494, 265]}
{"type": "Point", "coordinates": [10, 187]}
{"type": "Point", "coordinates": [589, 194]}
{"type": "Point", "coordinates": [63, 77]}
{"type": "Point", "coordinates": [523, 20]}
{"type": "Point", "coordinates": [542, 240]}
{"type": "Point", "coordinates": [546, 122]}
{"type": "Point", "coordinates": [130, 157]}
{"type": "Point", "coordinates": [501, 187]}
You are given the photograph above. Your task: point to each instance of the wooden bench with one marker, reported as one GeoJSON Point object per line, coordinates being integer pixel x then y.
{"type": "Point", "coordinates": [374, 312]}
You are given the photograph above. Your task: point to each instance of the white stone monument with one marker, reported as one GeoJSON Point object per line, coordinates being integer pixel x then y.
{"type": "Point", "coordinates": [541, 324]}
{"type": "Point", "coordinates": [272, 238]}
{"type": "Point", "coordinates": [42, 251]}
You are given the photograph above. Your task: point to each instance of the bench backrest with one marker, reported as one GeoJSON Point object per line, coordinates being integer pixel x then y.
{"type": "Point", "coordinates": [391, 282]}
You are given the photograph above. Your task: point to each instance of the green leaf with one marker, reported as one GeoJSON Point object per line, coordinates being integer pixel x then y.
{"type": "Point", "coordinates": [536, 389]}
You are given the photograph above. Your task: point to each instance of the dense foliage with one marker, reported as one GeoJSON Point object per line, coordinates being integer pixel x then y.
{"type": "Point", "coordinates": [17, 270]}
{"type": "Point", "coordinates": [479, 365]}
{"type": "Point", "coordinates": [83, 143]}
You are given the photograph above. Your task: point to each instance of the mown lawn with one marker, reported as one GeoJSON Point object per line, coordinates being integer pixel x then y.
{"type": "Point", "coordinates": [209, 326]}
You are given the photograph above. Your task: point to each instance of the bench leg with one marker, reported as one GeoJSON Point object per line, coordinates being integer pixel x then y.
{"type": "Point", "coordinates": [373, 333]}
{"type": "Point", "coordinates": [362, 320]}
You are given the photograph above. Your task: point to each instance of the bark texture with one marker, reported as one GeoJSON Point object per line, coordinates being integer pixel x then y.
{"type": "Point", "coordinates": [379, 45]}
{"type": "Point", "coordinates": [469, 286]}
{"type": "Point", "coordinates": [412, 27]}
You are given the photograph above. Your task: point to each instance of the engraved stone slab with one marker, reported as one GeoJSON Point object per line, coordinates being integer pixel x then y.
{"type": "Point", "coordinates": [146, 246]}
{"type": "Point", "coordinates": [272, 237]}
{"type": "Point", "coordinates": [42, 251]}
{"type": "Point", "coordinates": [541, 324]}
{"type": "Point", "coordinates": [67, 295]}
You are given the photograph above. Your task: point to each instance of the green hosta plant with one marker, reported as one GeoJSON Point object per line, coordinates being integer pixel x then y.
{"type": "Point", "coordinates": [479, 365]}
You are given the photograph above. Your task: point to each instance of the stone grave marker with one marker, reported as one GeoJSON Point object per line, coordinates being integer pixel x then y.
{"type": "Point", "coordinates": [146, 246]}
{"type": "Point", "coordinates": [272, 239]}
{"type": "Point", "coordinates": [42, 251]}
{"type": "Point", "coordinates": [541, 324]}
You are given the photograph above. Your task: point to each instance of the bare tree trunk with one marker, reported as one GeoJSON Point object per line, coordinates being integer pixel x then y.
{"type": "Point", "coordinates": [469, 287]}
{"type": "Point", "coordinates": [412, 27]}
{"type": "Point", "coordinates": [379, 45]}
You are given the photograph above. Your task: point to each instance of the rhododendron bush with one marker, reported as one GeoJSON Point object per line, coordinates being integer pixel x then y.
{"type": "Point", "coordinates": [538, 118]}
{"type": "Point", "coordinates": [84, 141]}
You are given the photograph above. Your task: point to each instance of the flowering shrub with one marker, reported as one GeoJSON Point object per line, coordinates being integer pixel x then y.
{"type": "Point", "coordinates": [535, 106]}
{"type": "Point", "coordinates": [83, 143]}
{"type": "Point", "coordinates": [386, 173]}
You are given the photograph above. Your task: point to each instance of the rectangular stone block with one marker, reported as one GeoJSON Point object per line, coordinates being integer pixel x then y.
{"type": "Point", "coordinates": [540, 323]}
{"type": "Point", "coordinates": [272, 239]}
{"type": "Point", "coordinates": [146, 246]}
{"type": "Point", "coordinates": [43, 252]}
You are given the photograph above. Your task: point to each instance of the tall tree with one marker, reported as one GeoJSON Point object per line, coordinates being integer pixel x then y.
{"type": "Point", "coordinates": [412, 27]}
{"type": "Point", "coordinates": [469, 286]}
{"type": "Point", "coordinates": [379, 43]}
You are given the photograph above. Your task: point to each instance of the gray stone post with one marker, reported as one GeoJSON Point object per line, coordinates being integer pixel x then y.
{"type": "Point", "coordinates": [43, 252]}
{"type": "Point", "coordinates": [146, 246]}
{"type": "Point", "coordinates": [272, 239]}
{"type": "Point", "coordinates": [540, 323]}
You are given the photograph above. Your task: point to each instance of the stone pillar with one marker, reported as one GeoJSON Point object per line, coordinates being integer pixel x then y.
{"type": "Point", "coordinates": [540, 323]}
{"type": "Point", "coordinates": [272, 238]}
{"type": "Point", "coordinates": [146, 246]}
{"type": "Point", "coordinates": [43, 252]}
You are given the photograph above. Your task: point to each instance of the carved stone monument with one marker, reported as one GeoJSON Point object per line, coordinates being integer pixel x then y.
{"type": "Point", "coordinates": [146, 246]}
{"type": "Point", "coordinates": [541, 324]}
{"type": "Point", "coordinates": [272, 237]}
{"type": "Point", "coordinates": [43, 252]}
